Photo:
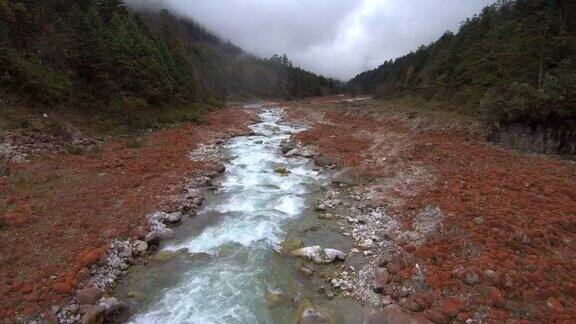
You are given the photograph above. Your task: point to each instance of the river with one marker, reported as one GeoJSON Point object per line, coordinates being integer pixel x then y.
{"type": "Point", "coordinates": [227, 261]}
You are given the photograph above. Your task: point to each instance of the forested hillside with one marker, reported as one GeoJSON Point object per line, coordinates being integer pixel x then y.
{"type": "Point", "coordinates": [513, 62]}
{"type": "Point", "coordinates": [102, 55]}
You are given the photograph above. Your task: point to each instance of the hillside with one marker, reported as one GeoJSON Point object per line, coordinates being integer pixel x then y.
{"type": "Point", "coordinates": [514, 63]}
{"type": "Point", "coordinates": [102, 57]}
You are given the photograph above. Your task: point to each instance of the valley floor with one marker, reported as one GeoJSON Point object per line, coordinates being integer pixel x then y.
{"type": "Point", "coordinates": [479, 232]}
{"type": "Point", "coordinates": [60, 212]}
{"type": "Point", "coordinates": [473, 231]}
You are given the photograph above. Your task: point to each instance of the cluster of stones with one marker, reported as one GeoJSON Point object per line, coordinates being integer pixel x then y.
{"type": "Point", "coordinates": [90, 304]}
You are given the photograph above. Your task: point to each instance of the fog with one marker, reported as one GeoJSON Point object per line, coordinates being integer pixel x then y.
{"type": "Point", "coordinates": [336, 38]}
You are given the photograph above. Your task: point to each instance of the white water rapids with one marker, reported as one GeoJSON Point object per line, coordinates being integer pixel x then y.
{"type": "Point", "coordinates": [252, 207]}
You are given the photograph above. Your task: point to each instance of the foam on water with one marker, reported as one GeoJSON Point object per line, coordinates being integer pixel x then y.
{"type": "Point", "coordinates": [257, 203]}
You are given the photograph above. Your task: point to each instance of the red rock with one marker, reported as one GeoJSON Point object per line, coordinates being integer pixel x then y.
{"type": "Point", "coordinates": [27, 288]}
{"type": "Point", "coordinates": [9, 314]}
{"type": "Point", "coordinates": [83, 274]}
{"type": "Point", "coordinates": [570, 289]}
{"type": "Point", "coordinates": [492, 294]}
{"type": "Point", "coordinates": [381, 279]}
{"type": "Point", "coordinates": [29, 310]}
{"type": "Point", "coordinates": [498, 314]}
{"type": "Point", "coordinates": [92, 257]}
{"type": "Point", "coordinates": [451, 307]}
{"type": "Point", "coordinates": [424, 301]}
{"type": "Point", "coordinates": [412, 305]}
{"type": "Point", "coordinates": [62, 288]}
{"type": "Point", "coordinates": [393, 314]}
{"type": "Point", "coordinates": [554, 304]}
{"type": "Point", "coordinates": [89, 295]}
{"type": "Point", "coordinates": [16, 285]}
{"type": "Point", "coordinates": [409, 248]}
{"type": "Point", "coordinates": [552, 292]}
{"type": "Point", "coordinates": [34, 297]}
{"type": "Point", "coordinates": [396, 265]}
{"type": "Point", "coordinates": [50, 317]}
{"type": "Point", "coordinates": [94, 315]}
{"type": "Point", "coordinates": [462, 317]}
{"type": "Point", "coordinates": [529, 296]}
{"type": "Point", "coordinates": [436, 316]}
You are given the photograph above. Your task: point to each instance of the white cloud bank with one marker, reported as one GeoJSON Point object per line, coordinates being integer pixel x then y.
{"type": "Point", "coordinates": [337, 38]}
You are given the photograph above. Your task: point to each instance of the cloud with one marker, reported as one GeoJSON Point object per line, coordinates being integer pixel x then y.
{"type": "Point", "coordinates": [337, 38]}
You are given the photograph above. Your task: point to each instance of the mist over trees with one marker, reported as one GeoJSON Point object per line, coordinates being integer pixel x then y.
{"type": "Point", "coordinates": [513, 62]}
{"type": "Point", "coordinates": [101, 53]}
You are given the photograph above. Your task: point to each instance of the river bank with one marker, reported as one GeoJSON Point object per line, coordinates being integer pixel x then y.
{"type": "Point", "coordinates": [447, 226]}
{"type": "Point", "coordinates": [436, 224]}
{"type": "Point", "coordinates": [61, 212]}
{"type": "Point", "coordinates": [232, 262]}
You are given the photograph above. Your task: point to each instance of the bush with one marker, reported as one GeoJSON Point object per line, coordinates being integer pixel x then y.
{"type": "Point", "coordinates": [514, 102]}
{"type": "Point", "coordinates": [39, 81]}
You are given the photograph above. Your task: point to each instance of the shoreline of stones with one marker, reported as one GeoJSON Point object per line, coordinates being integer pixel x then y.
{"type": "Point", "coordinates": [379, 242]}
{"type": "Point", "coordinates": [92, 302]}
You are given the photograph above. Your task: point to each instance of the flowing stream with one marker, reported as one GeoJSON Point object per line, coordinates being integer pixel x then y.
{"type": "Point", "coordinates": [226, 261]}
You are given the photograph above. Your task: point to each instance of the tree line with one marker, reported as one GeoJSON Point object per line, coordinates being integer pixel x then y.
{"type": "Point", "coordinates": [513, 62]}
{"type": "Point", "coordinates": [102, 54]}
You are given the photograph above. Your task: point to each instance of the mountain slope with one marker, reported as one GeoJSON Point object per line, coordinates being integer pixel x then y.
{"type": "Point", "coordinates": [514, 62]}
{"type": "Point", "coordinates": [99, 54]}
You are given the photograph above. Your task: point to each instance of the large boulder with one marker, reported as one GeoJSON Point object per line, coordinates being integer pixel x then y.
{"type": "Point", "coordinates": [334, 255]}
{"type": "Point", "coordinates": [312, 316]}
{"type": "Point", "coordinates": [292, 152]}
{"type": "Point", "coordinates": [89, 295]}
{"type": "Point", "coordinates": [322, 161]}
{"type": "Point", "coordinates": [313, 253]}
{"type": "Point", "coordinates": [174, 217]}
{"type": "Point", "coordinates": [394, 314]}
{"type": "Point", "coordinates": [381, 279]}
{"type": "Point", "coordinates": [116, 312]}
{"type": "Point", "coordinates": [350, 176]}
{"type": "Point", "coordinates": [140, 246]}
{"type": "Point", "coordinates": [319, 255]}
{"type": "Point", "coordinates": [278, 298]}
{"type": "Point", "coordinates": [307, 314]}
{"type": "Point", "coordinates": [94, 315]}
{"type": "Point", "coordinates": [286, 146]}
{"type": "Point", "coordinates": [291, 244]}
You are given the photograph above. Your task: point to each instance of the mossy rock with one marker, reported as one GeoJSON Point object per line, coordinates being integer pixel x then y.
{"type": "Point", "coordinates": [291, 244]}
{"type": "Point", "coordinates": [164, 256]}
{"type": "Point", "coordinates": [278, 299]}
{"type": "Point", "coordinates": [282, 171]}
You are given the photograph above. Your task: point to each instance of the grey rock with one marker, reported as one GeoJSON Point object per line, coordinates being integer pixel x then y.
{"type": "Point", "coordinates": [313, 253]}
{"type": "Point", "coordinates": [394, 314]}
{"type": "Point", "coordinates": [322, 161]}
{"type": "Point", "coordinates": [350, 176]}
{"type": "Point", "coordinates": [89, 295]}
{"type": "Point", "coordinates": [291, 153]}
{"type": "Point", "coordinates": [116, 312]}
{"type": "Point", "coordinates": [381, 279]}
{"type": "Point", "coordinates": [312, 316]}
{"type": "Point", "coordinates": [140, 246]}
{"type": "Point", "coordinates": [290, 245]}
{"type": "Point", "coordinates": [174, 217]}
{"type": "Point", "coordinates": [334, 255]}
{"type": "Point", "coordinates": [166, 234]}
{"type": "Point", "coordinates": [286, 146]}
{"type": "Point", "coordinates": [94, 315]}
{"type": "Point", "coordinates": [471, 278]}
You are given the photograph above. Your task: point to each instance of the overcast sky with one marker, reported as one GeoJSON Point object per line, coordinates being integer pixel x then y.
{"type": "Point", "coordinates": [336, 38]}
